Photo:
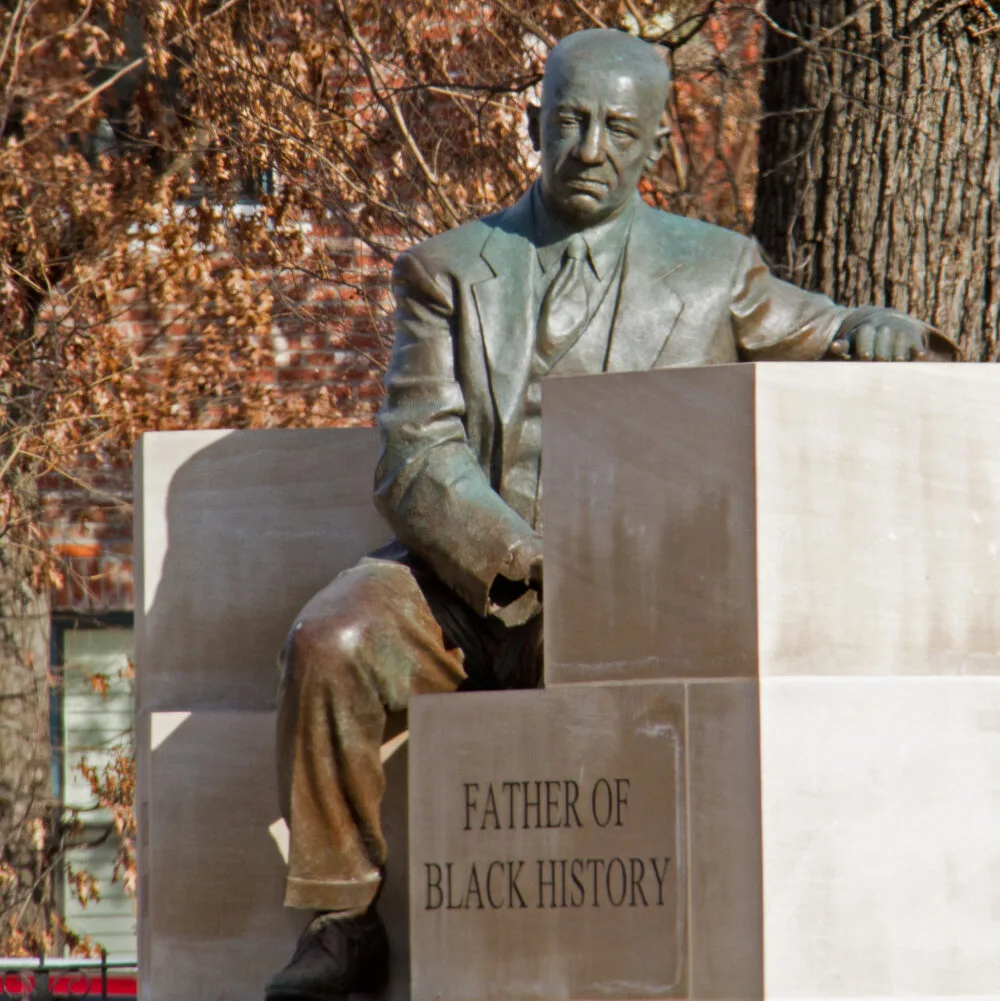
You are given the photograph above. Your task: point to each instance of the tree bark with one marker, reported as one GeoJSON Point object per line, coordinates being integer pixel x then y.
{"type": "Point", "coordinates": [29, 821]}
{"type": "Point", "coordinates": [28, 818]}
{"type": "Point", "coordinates": [880, 158]}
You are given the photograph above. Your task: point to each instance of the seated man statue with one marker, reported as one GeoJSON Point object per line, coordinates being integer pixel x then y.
{"type": "Point", "coordinates": [579, 276]}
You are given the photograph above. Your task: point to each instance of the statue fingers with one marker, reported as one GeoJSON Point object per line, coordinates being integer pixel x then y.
{"type": "Point", "coordinates": [840, 349]}
{"type": "Point", "coordinates": [885, 342]}
{"type": "Point", "coordinates": [906, 346]}
{"type": "Point", "coordinates": [922, 350]}
{"type": "Point", "coordinates": [864, 342]}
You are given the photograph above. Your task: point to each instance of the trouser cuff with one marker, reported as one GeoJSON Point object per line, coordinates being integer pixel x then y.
{"type": "Point", "coordinates": [331, 895]}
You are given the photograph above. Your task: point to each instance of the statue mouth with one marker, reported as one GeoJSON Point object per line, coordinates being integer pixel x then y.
{"type": "Point", "coordinates": [586, 185]}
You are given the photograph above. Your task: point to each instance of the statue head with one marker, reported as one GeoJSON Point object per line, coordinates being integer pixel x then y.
{"type": "Point", "coordinates": [598, 128]}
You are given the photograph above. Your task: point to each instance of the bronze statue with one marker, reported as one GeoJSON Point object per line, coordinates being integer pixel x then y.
{"type": "Point", "coordinates": [580, 276]}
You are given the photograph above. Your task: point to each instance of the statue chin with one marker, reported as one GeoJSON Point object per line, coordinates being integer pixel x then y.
{"type": "Point", "coordinates": [581, 206]}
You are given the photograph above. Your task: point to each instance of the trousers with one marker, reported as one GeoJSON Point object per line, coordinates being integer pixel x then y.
{"type": "Point", "coordinates": [379, 633]}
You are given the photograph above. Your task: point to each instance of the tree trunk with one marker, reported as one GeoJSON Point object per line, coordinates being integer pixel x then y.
{"type": "Point", "coordinates": [880, 157]}
{"type": "Point", "coordinates": [29, 822]}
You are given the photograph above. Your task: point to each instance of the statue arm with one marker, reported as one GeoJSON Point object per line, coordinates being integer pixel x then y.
{"type": "Point", "coordinates": [429, 485]}
{"type": "Point", "coordinates": [773, 319]}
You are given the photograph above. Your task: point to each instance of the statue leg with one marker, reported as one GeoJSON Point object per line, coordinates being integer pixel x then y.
{"type": "Point", "coordinates": [359, 648]}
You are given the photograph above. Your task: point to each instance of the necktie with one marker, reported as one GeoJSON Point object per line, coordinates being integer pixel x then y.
{"type": "Point", "coordinates": [565, 308]}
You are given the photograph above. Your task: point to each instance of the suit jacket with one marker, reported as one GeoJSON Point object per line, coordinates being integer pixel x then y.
{"type": "Point", "coordinates": [691, 294]}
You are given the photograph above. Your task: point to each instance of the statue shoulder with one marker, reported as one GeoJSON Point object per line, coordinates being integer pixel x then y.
{"type": "Point", "coordinates": [692, 239]}
{"type": "Point", "coordinates": [450, 252]}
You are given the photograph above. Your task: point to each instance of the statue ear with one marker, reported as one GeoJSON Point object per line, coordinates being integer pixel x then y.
{"type": "Point", "coordinates": [534, 126]}
{"type": "Point", "coordinates": [659, 146]}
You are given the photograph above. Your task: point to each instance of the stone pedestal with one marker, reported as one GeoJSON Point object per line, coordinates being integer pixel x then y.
{"type": "Point", "coordinates": [779, 520]}
{"type": "Point", "coordinates": [767, 762]}
{"type": "Point", "coordinates": [236, 531]}
{"type": "Point", "coordinates": [828, 537]}
{"type": "Point", "coordinates": [804, 560]}
{"type": "Point", "coordinates": [582, 841]}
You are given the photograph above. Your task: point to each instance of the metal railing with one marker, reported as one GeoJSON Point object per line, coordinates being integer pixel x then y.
{"type": "Point", "coordinates": [40, 978]}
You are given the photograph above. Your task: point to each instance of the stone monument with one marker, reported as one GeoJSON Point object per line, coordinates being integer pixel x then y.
{"type": "Point", "coordinates": [585, 841]}
{"type": "Point", "coordinates": [579, 277]}
{"type": "Point", "coordinates": [712, 768]}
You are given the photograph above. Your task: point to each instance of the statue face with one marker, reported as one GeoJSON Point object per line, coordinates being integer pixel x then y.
{"type": "Point", "coordinates": [598, 127]}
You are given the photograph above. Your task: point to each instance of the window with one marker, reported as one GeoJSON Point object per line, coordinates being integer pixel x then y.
{"type": "Point", "coordinates": [92, 717]}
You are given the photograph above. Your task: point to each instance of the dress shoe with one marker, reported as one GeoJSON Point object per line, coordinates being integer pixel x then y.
{"type": "Point", "coordinates": [335, 957]}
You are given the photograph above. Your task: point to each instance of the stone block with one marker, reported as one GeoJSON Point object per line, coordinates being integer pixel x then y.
{"type": "Point", "coordinates": [211, 858]}
{"type": "Point", "coordinates": [235, 531]}
{"type": "Point", "coordinates": [881, 837]}
{"type": "Point", "coordinates": [586, 842]}
{"type": "Point", "coordinates": [724, 837]}
{"type": "Point", "coordinates": [812, 551]}
{"type": "Point", "coordinates": [772, 520]}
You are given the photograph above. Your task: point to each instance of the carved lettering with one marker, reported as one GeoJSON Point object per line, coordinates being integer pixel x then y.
{"type": "Point", "coordinates": [572, 795]}
{"type": "Point", "coordinates": [600, 803]}
{"type": "Point", "coordinates": [550, 883]}
{"type": "Point", "coordinates": [490, 810]}
{"type": "Point", "coordinates": [513, 889]}
{"type": "Point", "coordinates": [434, 891]}
{"type": "Point", "coordinates": [621, 799]}
{"type": "Point", "coordinates": [579, 895]}
{"type": "Point", "coordinates": [598, 865]}
{"type": "Point", "coordinates": [637, 870]}
{"type": "Point", "coordinates": [532, 803]}
{"type": "Point", "coordinates": [553, 817]}
{"type": "Point", "coordinates": [452, 905]}
{"type": "Point", "coordinates": [497, 903]}
{"type": "Point", "coordinates": [473, 889]}
{"type": "Point", "coordinates": [510, 788]}
{"type": "Point", "coordinates": [561, 883]}
{"type": "Point", "coordinates": [616, 879]}
{"type": "Point", "coordinates": [537, 804]}
{"type": "Point", "coordinates": [660, 877]}
{"type": "Point", "coordinates": [611, 881]}
{"type": "Point", "coordinates": [470, 803]}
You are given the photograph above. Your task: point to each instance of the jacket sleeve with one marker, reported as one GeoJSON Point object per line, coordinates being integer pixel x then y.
{"type": "Point", "coordinates": [429, 485]}
{"type": "Point", "coordinates": [775, 320]}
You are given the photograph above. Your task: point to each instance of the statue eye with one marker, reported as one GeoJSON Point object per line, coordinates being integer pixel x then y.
{"type": "Point", "coordinates": [621, 129]}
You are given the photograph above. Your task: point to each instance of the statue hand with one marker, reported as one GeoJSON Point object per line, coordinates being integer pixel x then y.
{"type": "Point", "coordinates": [884, 338]}
{"type": "Point", "coordinates": [524, 563]}
{"type": "Point", "coordinates": [516, 591]}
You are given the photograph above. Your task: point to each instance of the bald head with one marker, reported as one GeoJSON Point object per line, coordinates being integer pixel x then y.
{"type": "Point", "coordinates": [603, 96]}
{"type": "Point", "coordinates": [607, 53]}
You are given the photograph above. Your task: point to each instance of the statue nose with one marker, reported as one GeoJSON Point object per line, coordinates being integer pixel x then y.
{"type": "Point", "coordinates": [591, 149]}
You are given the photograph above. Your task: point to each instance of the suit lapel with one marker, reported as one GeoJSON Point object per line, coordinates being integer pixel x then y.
{"type": "Point", "coordinates": [648, 308]}
{"type": "Point", "coordinates": [504, 304]}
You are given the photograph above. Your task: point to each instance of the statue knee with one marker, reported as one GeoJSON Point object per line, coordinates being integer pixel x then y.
{"type": "Point", "coordinates": [332, 641]}
{"type": "Point", "coordinates": [315, 649]}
